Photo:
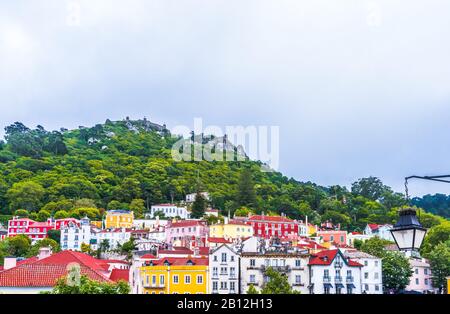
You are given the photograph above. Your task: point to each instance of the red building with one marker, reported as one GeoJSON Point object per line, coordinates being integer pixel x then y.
{"type": "Point", "coordinates": [36, 230]}
{"type": "Point", "coordinates": [33, 229]}
{"type": "Point", "coordinates": [271, 226]}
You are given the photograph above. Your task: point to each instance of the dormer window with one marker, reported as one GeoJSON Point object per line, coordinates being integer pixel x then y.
{"type": "Point", "coordinates": [166, 263]}
{"type": "Point", "coordinates": [190, 263]}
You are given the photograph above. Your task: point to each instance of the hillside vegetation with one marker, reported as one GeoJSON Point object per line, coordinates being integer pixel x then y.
{"type": "Point", "coordinates": [128, 164]}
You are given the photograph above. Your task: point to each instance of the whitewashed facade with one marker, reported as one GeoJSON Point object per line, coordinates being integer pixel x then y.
{"type": "Point", "coordinates": [73, 235]}
{"type": "Point", "coordinates": [169, 211]}
{"type": "Point", "coordinates": [254, 266]}
{"type": "Point", "coordinates": [330, 272]}
{"type": "Point", "coordinates": [224, 270]}
{"type": "Point", "coordinates": [371, 272]}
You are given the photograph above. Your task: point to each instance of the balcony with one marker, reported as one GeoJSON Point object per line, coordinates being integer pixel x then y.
{"type": "Point", "coordinates": [338, 264]}
{"type": "Point", "coordinates": [349, 279]}
{"type": "Point", "coordinates": [326, 279]}
{"type": "Point", "coordinates": [154, 285]}
{"type": "Point", "coordinates": [281, 269]}
{"type": "Point", "coordinates": [338, 279]}
{"type": "Point", "coordinates": [255, 284]}
{"type": "Point", "coordinates": [298, 284]}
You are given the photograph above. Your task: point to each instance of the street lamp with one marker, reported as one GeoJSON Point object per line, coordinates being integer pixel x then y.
{"type": "Point", "coordinates": [408, 233]}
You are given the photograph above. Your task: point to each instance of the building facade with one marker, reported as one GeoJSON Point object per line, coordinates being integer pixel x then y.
{"type": "Point", "coordinates": [330, 272]}
{"type": "Point", "coordinates": [224, 270]}
{"type": "Point", "coordinates": [254, 266]}
{"type": "Point", "coordinates": [169, 211]}
{"type": "Point", "coordinates": [371, 271]}
{"type": "Point", "coordinates": [182, 232]}
{"type": "Point", "coordinates": [421, 279]}
{"type": "Point", "coordinates": [75, 233]}
{"type": "Point", "coordinates": [34, 230]}
{"type": "Point", "coordinates": [119, 219]}
{"type": "Point", "coordinates": [231, 230]}
{"type": "Point", "coordinates": [276, 226]}
{"type": "Point", "coordinates": [175, 276]}
{"type": "Point", "coordinates": [381, 231]}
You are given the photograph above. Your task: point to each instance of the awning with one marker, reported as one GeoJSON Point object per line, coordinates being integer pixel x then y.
{"type": "Point", "coordinates": [328, 285]}
{"type": "Point", "coordinates": [350, 285]}
{"type": "Point", "coordinates": [339, 285]}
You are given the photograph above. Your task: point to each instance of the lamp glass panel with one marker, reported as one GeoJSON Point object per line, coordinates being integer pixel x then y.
{"type": "Point", "coordinates": [420, 234]}
{"type": "Point", "coordinates": [404, 238]}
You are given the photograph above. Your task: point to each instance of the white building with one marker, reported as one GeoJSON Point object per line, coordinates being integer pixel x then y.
{"type": "Point", "coordinates": [254, 266]}
{"type": "Point", "coordinates": [190, 198]}
{"type": "Point", "coordinates": [224, 270]}
{"type": "Point", "coordinates": [330, 272]}
{"type": "Point", "coordinates": [381, 231]}
{"type": "Point", "coordinates": [169, 211]}
{"type": "Point", "coordinates": [352, 236]}
{"type": "Point", "coordinates": [150, 224]}
{"type": "Point", "coordinates": [371, 272]}
{"type": "Point", "coordinates": [115, 237]}
{"type": "Point", "coordinates": [74, 234]}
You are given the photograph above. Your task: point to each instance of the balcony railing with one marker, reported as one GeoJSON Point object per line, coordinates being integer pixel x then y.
{"type": "Point", "coordinates": [154, 285]}
{"type": "Point", "coordinates": [277, 268]}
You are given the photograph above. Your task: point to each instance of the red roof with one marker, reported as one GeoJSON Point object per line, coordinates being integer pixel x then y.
{"type": "Point", "coordinates": [278, 219]}
{"type": "Point", "coordinates": [45, 272]}
{"type": "Point", "coordinates": [327, 257]}
{"type": "Point", "coordinates": [374, 226]}
{"type": "Point", "coordinates": [148, 256]}
{"type": "Point", "coordinates": [218, 240]}
{"type": "Point", "coordinates": [120, 274]}
{"type": "Point", "coordinates": [1, 268]}
{"type": "Point", "coordinates": [199, 261]}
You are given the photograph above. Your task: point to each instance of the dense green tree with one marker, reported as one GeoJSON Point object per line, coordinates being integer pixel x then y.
{"type": "Point", "coordinates": [396, 272]}
{"type": "Point", "coordinates": [371, 188]}
{"type": "Point", "coordinates": [54, 235]}
{"type": "Point", "coordinates": [22, 213]}
{"type": "Point", "coordinates": [439, 259]}
{"type": "Point", "coordinates": [246, 195]}
{"type": "Point", "coordinates": [137, 206]}
{"type": "Point", "coordinates": [25, 195]}
{"type": "Point", "coordinates": [47, 242]}
{"type": "Point", "coordinates": [252, 290]}
{"type": "Point", "coordinates": [199, 206]}
{"type": "Point", "coordinates": [18, 245]}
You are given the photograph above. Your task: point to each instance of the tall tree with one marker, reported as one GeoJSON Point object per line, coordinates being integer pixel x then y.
{"type": "Point", "coordinates": [396, 272]}
{"type": "Point", "coordinates": [439, 259]}
{"type": "Point", "coordinates": [199, 206]}
{"type": "Point", "coordinates": [25, 195]}
{"type": "Point", "coordinates": [371, 188]}
{"type": "Point", "coordinates": [246, 195]}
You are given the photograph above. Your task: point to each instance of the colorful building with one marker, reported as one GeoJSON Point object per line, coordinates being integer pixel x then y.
{"type": "Point", "coordinates": [34, 230]}
{"type": "Point", "coordinates": [175, 275]}
{"type": "Point", "coordinates": [181, 233]}
{"type": "Point", "coordinates": [276, 226]}
{"type": "Point", "coordinates": [338, 237]}
{"type": "Point", "coordinates": [119, 219]}
{"type": "Point", "coordinates": [231, 230]}
{"type": "Point", "coordinates": [421, 279]}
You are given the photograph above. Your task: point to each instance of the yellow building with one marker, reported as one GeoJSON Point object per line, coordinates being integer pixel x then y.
{"type": "Point", "coordinates": [175, 276]}
{"type": "Point", "coordinates": [311, 229]}
{"type": "Point", "coordinates": [448, 285]}
{"type": "Point", "coordinates": [119, 219]}
{"type": "Point", "coordinates": [231, 230]}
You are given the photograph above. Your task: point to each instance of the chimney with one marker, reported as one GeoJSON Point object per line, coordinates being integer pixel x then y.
{"type": "Point", "coordinates": [9, 262]}
{"type": "Point", "coordinates": [44, 252]}
{"type": "Point", "coordinates": [196, 251]}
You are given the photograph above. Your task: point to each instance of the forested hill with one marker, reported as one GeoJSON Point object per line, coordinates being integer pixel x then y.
{"type": "Point", "coordinates": [128, 164]}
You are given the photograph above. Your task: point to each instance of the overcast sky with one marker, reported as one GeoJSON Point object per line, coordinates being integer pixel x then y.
{"type": "Point", "coordinates": [357, 87]}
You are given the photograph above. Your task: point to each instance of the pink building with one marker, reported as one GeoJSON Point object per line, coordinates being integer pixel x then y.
{"type": "Point", "coordinates": [421, 278]}
{"type": "Point", "coordinates": [186, 230]}
{"type": "Point", "coordinates": [338, 237]}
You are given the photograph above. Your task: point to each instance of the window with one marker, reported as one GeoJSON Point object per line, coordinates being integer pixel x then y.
{"type": "Point", "coordinates": [332, 238]}
{"type": "Point", "coordinates": [215, 258]}
{"type": "Point", "coordinates": [366, 263]}
{"type": "Point", "coordinates": [366, 275]}
{"type": "Point", "coordinates": [326, 273]}
{"type": "Point", "coordinates": [252, 279]}
{"type": "Point", "coordinates": [426, 281]}
{"type": "Point", "coordinates": [376, 263]}
{"type": "Point", "coordinates": [298, 279]}
{"type": "Point", "coordinates": [425, 271]}
{"type": "Point", "coordinates": [416, 271]}
{"type": "Point", "coordinates": [232, 286]}
{"type": "Point", "coordinates": [377, 288]}
{"type": "Point", "coordinates": [224, 257]}
{"type": "Point", "coordinates": [187, 279]}
{"type": "Point", "coordinates": [199, 279]}
{"type": "Point", "coordinates": [215, 271]}
{"type": "Point", "coordinates": [175, 279]}
{"type": "Point", "coordinates": [326, 290]}
{"type": "Point", "coordinates": [223, 285]}
{"type": "Point", "coordinates": [376, 275]}
{"type": "Point", "coordinates": [298, 263]}
{"type": "Point", "coordinates": [215, 285]}
{"type": "Point", "coordinates": [342, 239]}
{"type": "Point", "coordinates": [417, 281]}
{"type": "Point", "coordinates": [223, 270]}
{"type": "Point", "coordinates": [366, 287]}
{"type": "Point", "coordinates": [232, 258]}
{"type": "Point", "coordinates": [232, 271]}
{"type": "Point", "coordinates": [349, 290]}
{"type": "Point", "coordinates": [154, 280]}
{"type": "Point", "coordinates": [252, 263]}
{"type": "Point", "coordinates": [161, 279]}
